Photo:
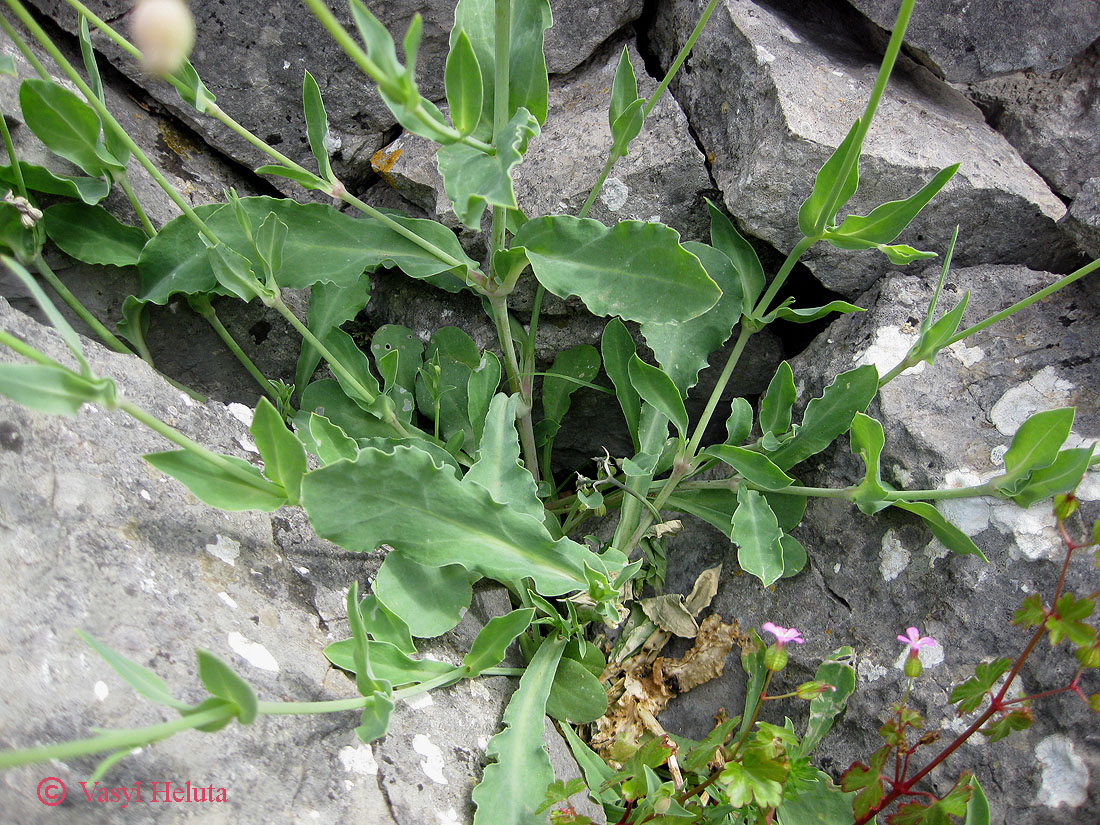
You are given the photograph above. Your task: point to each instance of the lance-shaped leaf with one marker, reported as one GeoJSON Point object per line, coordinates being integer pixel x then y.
{"type": "Point", "coordinates": [656, 388]}
{"type": "Point", "coordinates": [775, 406]}
{"type": "Point", "coordinates": [829, 416]}
{"type": "Point", "coordinates": [193, 91]}
{"type": "Point", "coordinates": [498, 469]}
{"type": "Point", "coordinates": [739, 422]}
{"type": "Point", "coordinates": [752, 466]}
{"type": "Point", "coordinates": [429, 599]}
{"type": "Point", "coordinates": [474, 179]}
{"type": "Point", "coordinates": [816, 212]}
{"type": "Point", "coordinates": [409, 348]}
{"type": "Point", "coordinates": [1060, 477]}
{"type": "Point", "coordinates": [463, 82]}
{"type": "Point", "coordinates": [682, 349]}
{"type": "Point", "coordinates": [617, 348]}
{"type": "Point", "coordinates": [493, 640]}
{"type": "Point", "coordinates": [886, 222]}
{"type": "Point", "coordinates": [480, 391]}
{"type": "Point", "coordinates": [383, 625]}
{"type": "Point", "coordinates": [838, 672]}
{"type": "Point", "coordinates": [867, 440]}
{"type": "Point", "coordinates": [220, 679]}
{"type": "Point", "coordinates": [457, 356]}
{"type": "Point", "coordinates": [902, 254]}
{"type": "Point", "coordinates": [270, 242]}
{"type": "Point", "coordinates": [67, 125]}
{"type": "Point", "coordinates": [1036, 445]}
{"type": "Point", "coordinates": [233, 272]}
{"type": "Point", "coordinates": [93, 235]}
{"type": "Point", "coordinates": [387, 662]}
{"type": "Point", "coordinates": [284, 456]}
{"type": "Point", "coordinates": [51, 389]}
{"type": "Point", "coordinates": [528, 85]}
{"type": "Point", "coordinates": [401, 499]}
{"type": "Point", "coordinates": [330, 305]}
{"type": "Point", "coordinates": [512, 786]}
{"type": "Point", "coordinates": [41, 179]}
{"type": "Point", "coordinates": [636, 270]}
{"type": "Point", "coordinates": [726, 239]}
{"type": "Point", "coordinates": [316, 124]}
{"type": "Point", "coordinates": [794, 554]}
{"type": "Point", "coordinates": [808, 315]}
{"type": "Point", "coordinates": [237, 487]}
{"type": "Point", "coordinates": [949, 535]}
{"type": "Point", "coordinates": [937, 336]}
{"type": "Point", "coordinates": [141, 679]}
{"type": "Point", "coordinates": [755, 531]}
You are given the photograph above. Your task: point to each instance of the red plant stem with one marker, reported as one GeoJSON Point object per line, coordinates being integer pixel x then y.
{"type": "Point", "coordinates": [1071, 686]}
{"type": "Point", "coordinates": [626, 814]}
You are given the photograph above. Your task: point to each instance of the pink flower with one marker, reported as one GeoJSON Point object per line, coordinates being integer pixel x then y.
{"type": "Point", "coordinates": [915, 641]}
{"type": "Point", "coordinates": [783, 635]}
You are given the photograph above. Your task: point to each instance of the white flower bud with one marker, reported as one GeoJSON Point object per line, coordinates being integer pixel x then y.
{"type": "Point", "coordinates": [164, 31]}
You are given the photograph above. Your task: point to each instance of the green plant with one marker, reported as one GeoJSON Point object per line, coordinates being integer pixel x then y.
{"type": "Point", "coordinates": [418, 448]}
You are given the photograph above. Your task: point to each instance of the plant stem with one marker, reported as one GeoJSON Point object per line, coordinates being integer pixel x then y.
{"type": "Point", "coordinates": [681, 57]}
{"type": "Point", "coordinates": [611, 160]}
{"type": "Point", "coordinates": [781, 276]}
{"type": "Point", "coordinates": [123, 180]}
{"type": "Point", "coordinates": [105, 335]}
{"type": "Point", "coordinates": [201, 304]}
{"type": "Point", "coordinates": [499, 305]}
{"type": "Point", "coordinates": [720, 387]}
{"type": "Point", "coordinates": [17, 173]}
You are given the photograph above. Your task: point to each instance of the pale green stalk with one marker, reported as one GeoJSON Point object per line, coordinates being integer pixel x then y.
{"type": "Point", "coordinates": [123, 180]}
{"type": "Point", "coordinates": [105, 335]}
{"type": "Point", "coordinates": [681, 57]}
{"type": "Point", "coordinates": [201, 304]}
{"type": "Point", "coordinates": [20, 184]}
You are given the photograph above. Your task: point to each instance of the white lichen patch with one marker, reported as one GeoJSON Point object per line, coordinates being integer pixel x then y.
{"type": "Point", "coordinates": [100, 690]}
{"type": "Point", "coordinates": [894, 557]}
{"type": "Point", "coordinates": [420, 701]}
{"type": "Point", "coordinates": [936, 550]}
{"type": "Point", "coordinates": [253, 652]}
{"type": "Point", "coordinates": [448, 817]}
{"type": "Point", "coordinates": [971, 515]}
{"type": "Point", "coordinates": [229, 600]}
{"type": "Point", "coordinates": [1065, 778]}
{"type": "Point", "coordinates": [1033, 530]}
{"type": "Point", "coordinates": [870, 672]}
{"type": "Point", "coordinates": [929, 657]}
{"type": "Point", "coordinates": [432, 763]}
{"type": "Point", "coordinates": [614, 194]}
{"type": "Point", "coordinates": [763, 56]}
{"type": "Point", "coordinates": [358, 759]}
{"type": "Point", "coordinates": [889, 349]}
{"type": "Point", "coordinates": [145, 495]}
{"type": "Point", "coordinates": [225, 549]}
{"type": "Point", "coordinates": [967, 356]}
{"type": "Point", "coordinates": [1044, 391]}
{"type": "Point", "coordinates": [241, 413]}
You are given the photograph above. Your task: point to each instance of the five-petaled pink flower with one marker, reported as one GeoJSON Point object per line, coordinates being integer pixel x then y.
{"type": "Point", "coordinates": [915, 641]}
{"type": "Point", "coordinates": [783, 635]}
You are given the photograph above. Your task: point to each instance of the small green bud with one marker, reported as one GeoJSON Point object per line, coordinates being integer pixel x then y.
{"type": "Point", "coordinates": [1089, 656]}
{"type": "Point", "coordinates": [811, 690]}
{"type": "Point", "coordinates": [775, 658]}
{"type": "Point", "coordinates": [1065, 504]}
{"type": "Point", "coordinates": [1096, 531]}
{"type": "Point", "coordinates": [913, 667]}
{"type": "Point", "coordinates": [1094, 702]}
{"type": "Point", "coordinates": [662, 805]}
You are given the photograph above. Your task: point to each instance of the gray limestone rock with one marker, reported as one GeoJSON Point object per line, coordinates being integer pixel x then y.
{"type": "Point", "coordinates": [1083, 219]}
{"type": "Point", "coordinates": [770, 97]}
{"type": "Point", "coordinates": [870, 577]}
{"type": "Point", "coordinates": [966, 40]}
{"type": "Point", "coordinates": [92, 537]}
{"type": "Point", "coordinates": [1053, 120]}
{"type": "Point", "coordinates": [253, 58]}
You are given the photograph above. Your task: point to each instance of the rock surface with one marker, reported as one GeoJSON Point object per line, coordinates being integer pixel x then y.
{"type": "Point", "coordinates": [966, 40]}
{"type": "Point", "coordinates": [770, 97]}
{"type": "Point", "coordinates": [93, 538]}
{"type": "Point", "coordinates": [871, 577]}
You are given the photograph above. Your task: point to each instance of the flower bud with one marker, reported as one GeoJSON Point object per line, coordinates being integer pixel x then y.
{"type": "Point", "coordinates": [1064, 505]}
{"type": "Point", "coordinates": [1094, 702]}
{"type": "Point", "coordinates": [775, 658]}
{"type": "Point", "coordinates": [164, 31]}
{"type": "Point", "coordinates": [913, 666]}
{"type": "Point", "coordinates": [1089, 656]}
{"type": "Point", "coordinates": [662, 805]}
{"type": "Point", "coordinates": [1096, 531]}
{"type": "Point", "coordinates": [811, 690]}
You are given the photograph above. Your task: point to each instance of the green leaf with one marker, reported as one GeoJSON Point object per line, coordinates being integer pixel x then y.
{"type": "Point", "coordinates": [383, 625]}
{"type": "Point", "coordinates": [512, 786]}
{"type": "Point", "coordinates": [219, 678]}
{"type": "Point", "coordinates": [627, 127]}
{"type": "Point", "coordinates": [739, 423]}
{"type": "Point", "coordinates": [316, 124]}
{"type": "Point", "coordinates": [867, 780]}
{"type": "Point", "coordinates": [493, 640]}
{"type": "Point", "coordinates": [787, 508]}
{"type": "Point", "coordinates": [635, 270]}
{"type": "Point", "coordinates": [327, 395]}
{"type": "Point", "coordinates": [141, 679]}
{"type": "Point", "coordinates": [68, 126]}
{"type": "Point", "coordinates": [902, 254]}
{"type": "Point", "coordinates": [775, 406]}
{"type": "Point", "coordinates": [867, 441]}
{"type": "Point", "coordinates": [324, 439]}
{"type": "Point", "coordinates": [301, 176]}
{"type": "Point", "coordinates": [581, 362]}
{"type": "Point", "coordinates": [354, 360]}
{"type": "Point", "coordinates": [753, 467]}
{"type": "Point", "coordinates": [812, 215]}
{"type": "Point", "coordinates": [16, 239]}
{"type": "Point", "coordinates": [498, 469]}
{"type": "Point", "coordinates": [1019, 719]}
{"type": "Point", "coordinates": [474, 180]}
{"type": "Point", "coordinates": [682, 348]}
{"type": "Point", "coordinates": [948, 534]}
{"type": "Point", "coordinates": [41, 179]}
{"type": "Point", "coordinates": [823, 803]}
{"type": "Point", "coordinates": [829, 416]}
{"type": "Point", "coordinates": [401, 499]}
{"type": "Point", "coordinates": [365, 681]}
{"type": "Point", "coordinates": [375, 721]}
{"type": "Point", "coordinates": [93, 235]}
{"type": "Point", "coordinates": [624, 89]}
{"type": "Point", "coordinates": [51, 389]}
{"type": "Point", "coordinates": [560, 792]}
{"type": "Point", "coordinates": [940, 333]}
{"type": "Point", "coordinates": [1031, 612]}
{"type": "Point", "coordinates": [63, 327]}
{"type": "Point", "coordinates": [194, 91]}
{"type": "Point", "coordinates": [755, 778]}
{"type": "Point", "coordinates": [233, 272]}
{"type": "Point", "coordinates": [977, 809]}
{"type": "Point", "coordinates": [756, 533]}
{"type": "Point", "coordinates": [284, 456]}
{"type": "Point", "coordinates": [837, 671]}
{"type": "Point", "coordinates": [596, 771]}
{"type": "Point", "coordinates": [699, 756]}
{"type": "Point", "coordinates": [134, 325]}
{"type": "Point", "coordinates": [330, 305]}
{"type": "Point", "coordinates": [1036, 445]}
{"type": "Point", "coordinates": [969, 694]}
{"type": "Point", "coordinates": [1065, 622]}
{"type": "Point", "coordinates": [1063, 475]}
{"type": "Point", "coordinates": [322, 245]}
{"type": "Point", "coordinates": [111, 138]}
{"type": "Point", "coordinates": [242, 488]}
{"type": "Point", "coordinates": [387, 662]}
{"type": "Point", "coordinates": [457, 356]}
{"type": "Point", "coordinates": [811, 314]}
{"type": "Point", "coordinates": [528, 85]}
{"type": "Point", "coordinates": [656, 388]}
{"type": "Point", "coordinates": [576, 695]}
{"type": "Point", "coordinates": [794, 555]}
{"type": "Point", "coordinates": [7, 65]}
{"type": "Point", "coordinates": [618, 349]}
{"type": "Point", "coordinates": [270, 242]}
{"type": "Point", "coordinates": [430, 600]}
{"type": "Point", "coordinates": [886, 222]}
{"type": "Point", "coordinates": [402, 340]}
{"type": "Point", "coordinates": [727, 240]}
{"type": "Point", "coordinates": [462, 79]}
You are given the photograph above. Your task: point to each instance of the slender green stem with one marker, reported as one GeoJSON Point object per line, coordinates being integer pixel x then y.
{"type": "Point", "coordinates": [20, 44]}
{"type": "Point", "coordinates": [123, 180]}
{"type": "Point", "coordinates": [646, 519]}
{"type": "Point", "coordinates": [716, 395]}
{"type": "Point", "coordinates": [13, 159]}
{"type": "Point", "coordinates": [25, 349]}
{"type": "Point", "coordinates": [987, 489]}
{"type": "Point", "coordinates": [781, 276]}
{"type": "Point", "coordinates": [611, 160]}
{"type": "Point", "coordinates": [755, 713]}
{"type": "Point", "coordinates": [499, 305]}
{"type": "Point", "coordinates": [105, 335]}
{"type": "Point", "coordinates": [681, 57]}
{"type": "Point", "coordinates": [117, 739]}
{"type": "Point", "coordinates": [898, 369]}
{"type": "Point", "coordinates": [885, 68]}
{"type": "Point", "coordinates": [201, 304]}
{"type": "Point", "coordinates": [1026, 302]}
{"type": "Point", "coordinates": [107, 118]}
